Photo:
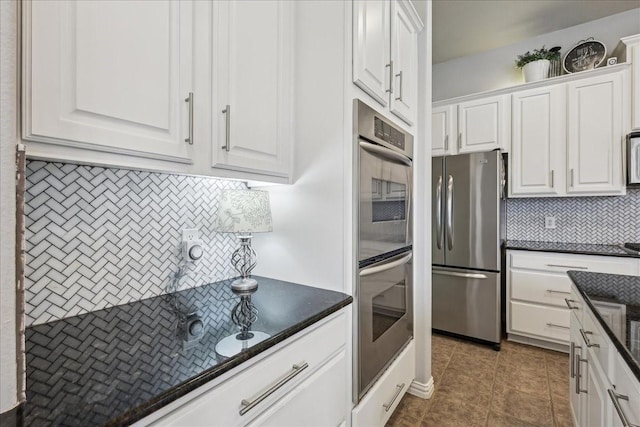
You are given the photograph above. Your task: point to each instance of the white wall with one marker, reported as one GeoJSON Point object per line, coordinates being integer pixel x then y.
{"type": "Point", "coordinates": [8, 138]}
{"type": "Point", "coordinates": [495, 69]}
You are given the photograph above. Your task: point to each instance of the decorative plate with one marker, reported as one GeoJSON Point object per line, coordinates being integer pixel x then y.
{"type": "Point", "coordinates": [586, 55]}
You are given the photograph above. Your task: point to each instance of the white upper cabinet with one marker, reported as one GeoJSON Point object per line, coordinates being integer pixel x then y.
{"type": "Point", "coordinates": [404, 57]}
{"type": "Point", "coordinates": [595, 135]}
{"type": "Point", "coordinates": [372, 48]}
{"type": "Point", "coordinates": [482, 124]}
{"type": "Point", "coordinates": [108, 76]}
{"type": "Point", "coordinates": [443, 130]}
{"type": "Point", "coordinates": [252, 80]}
{"type": "Point", "coordinates": [385, 54]}
{"type": "Point", "coordinates": [537, 142]}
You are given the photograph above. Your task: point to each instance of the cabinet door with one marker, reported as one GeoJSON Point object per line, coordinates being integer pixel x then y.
{"type": "Point", "coordinates": [252, 124]}
{"type": "Point", "coordinates": [633, 56]}
{"type": "Point", "coordinates": [109, 76]}
{"type": "Point", "coordinates": [576, 382]}
{"type": "Point", "coordinates": [536, 164]}
{"type": "Point", "coordinates": [597, 401]}
{"type": "Point", "coordinates": [443, 130]}
{"type": "Point", "coordinates": [595, 135]}
{"type": "Point", "coordinates": [482, 125]}
{"type": "Point", "coordinates": [404, 57]}
{"type": "Point", "coordinates": [372, 48]}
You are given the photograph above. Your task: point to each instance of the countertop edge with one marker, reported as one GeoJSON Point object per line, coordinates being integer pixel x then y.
{"type": "Point", "coordinates": [141, 411]}
{"type": "Point", "coordinates": [568, 251]}
{"type": "Point", "coordinates": [624, 353]}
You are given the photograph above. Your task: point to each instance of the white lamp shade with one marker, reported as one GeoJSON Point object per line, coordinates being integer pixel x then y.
{"type": "Point", "coordinates": [244, 211]}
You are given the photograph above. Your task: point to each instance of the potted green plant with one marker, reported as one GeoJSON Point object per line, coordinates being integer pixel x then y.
{"type": "Point", "coordinates": [535, 64]}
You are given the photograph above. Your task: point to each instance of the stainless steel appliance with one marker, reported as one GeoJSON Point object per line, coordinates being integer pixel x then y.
{"type": "Point", "coordinates": [467, 230]}
{"type": "Point", "coordinates": [383, 312]}
{"type": "Point", "coordinates": [633, 158]}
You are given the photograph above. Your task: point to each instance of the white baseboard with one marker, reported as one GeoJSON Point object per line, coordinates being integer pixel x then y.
{"type": "Point", "coordinates": [421, 390]}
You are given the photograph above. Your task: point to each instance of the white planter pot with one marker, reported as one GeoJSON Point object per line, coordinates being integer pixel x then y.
{"type": "Point", "coordinates": [536, 70]}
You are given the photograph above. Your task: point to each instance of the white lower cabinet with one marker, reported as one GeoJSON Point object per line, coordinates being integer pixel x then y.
{"type": "Point", "coordinates": [304, 381]}
{"type": "Point", "coordinates": [378, 404]}
{"type": "Point", "coordinates": [603, 391]}
{"type": "Point", "coordinates": [539, 297]}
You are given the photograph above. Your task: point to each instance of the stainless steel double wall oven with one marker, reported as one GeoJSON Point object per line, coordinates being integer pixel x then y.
{"type": "Point", "coordinates": [383, 312]}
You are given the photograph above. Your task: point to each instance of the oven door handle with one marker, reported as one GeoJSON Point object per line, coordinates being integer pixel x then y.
{"type": "Point", "coordinates": [386, 153]}
{"type": "Point", "coordinates": [386, 266]}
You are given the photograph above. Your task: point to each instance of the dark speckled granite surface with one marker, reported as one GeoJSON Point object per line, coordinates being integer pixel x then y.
{"type": "Point", "coordinates": [617, 289]}
{"type": "Point", "coordinates": [570, 248]}
{"type": "Point", "coordinates": [117, 365]}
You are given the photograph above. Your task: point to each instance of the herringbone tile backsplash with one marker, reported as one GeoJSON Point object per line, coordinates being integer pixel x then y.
{"type": "Point", "coordinates": [597, 220]}
{"type": "Point", "coordinates": [99, 237]}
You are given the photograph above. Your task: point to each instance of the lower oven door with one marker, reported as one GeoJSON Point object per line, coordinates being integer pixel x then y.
{"type": "Point", "coordinates": [385, 316]}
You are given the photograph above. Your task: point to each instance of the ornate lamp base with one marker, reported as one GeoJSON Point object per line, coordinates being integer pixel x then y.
{"type": "Point", "coordinates": [244, 285]}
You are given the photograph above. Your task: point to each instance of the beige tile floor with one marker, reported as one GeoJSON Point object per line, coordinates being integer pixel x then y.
{"type": "Point", "coordinates": [476, 386]}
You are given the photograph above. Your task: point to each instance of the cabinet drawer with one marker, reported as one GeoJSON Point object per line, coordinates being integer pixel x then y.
{"type": "Point", "coordinates": [319, 401]}
{"type": "Point", "coordinates": [627, 385]}
{"type": "Point", "coordinates": [394, 382]}
{"type": "Point", "coordinates": [539, 321]}
{"type": "Point", "coordinates": [223, 402]}
{"type": "Point", "coordinates": [544, 288]}
{"type": "Point", "coordinates": [561, 263]}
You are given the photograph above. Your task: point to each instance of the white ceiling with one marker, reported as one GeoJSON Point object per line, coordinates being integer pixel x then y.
{"type": "Point", "coordinates": [464, 27]}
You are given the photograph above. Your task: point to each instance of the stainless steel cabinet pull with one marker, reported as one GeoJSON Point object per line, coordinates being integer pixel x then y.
{"type": "Point", "coordinates": [572, 357]}
{"type": "Point", "coordinates": [551, 291]}
{"type": "Point", "coordinates": [247, 405]}
{"type": "Point", "coordinates": [552, 178]}
{"type": "Point", "coordinates": [579, 374]}
{"type": "Point", "coordinates": [446, 143]}
{"type": "Point", "coordinates": [389, 404]}
{"type": "Point", "coordinates": [586, 340]}
{"type": "Point", "coordinates": [568, 302]}
{"type": "Point", "coordinates": [572, 177]}
{"type": "Point", "coordinates": [570, 267]}
{"type": "Point", "coordinates": [450, 213]}
{"type": "Point", "coordinates": [615, 398]}
{"type": "Point", "coordinates": [390, 65]}
{"type": "Point", "coordinates": [553, 325]}
{"type": "Point", "coordinates": [399, 97]}
{"type": "Point", "coordinates": [459, 141]}
{"type": "Point", "coordinates": [440, 229]}
{"type": "Point", "coordinates": [227, 140]}
{"type": "Point", "coordinates": [189, 100]}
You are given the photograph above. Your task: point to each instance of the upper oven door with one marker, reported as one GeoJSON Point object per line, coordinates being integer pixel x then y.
{"type": "Point", "coordinates": [384, 200]}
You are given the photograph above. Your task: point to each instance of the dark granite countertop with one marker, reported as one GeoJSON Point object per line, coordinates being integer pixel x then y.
{"type": "Point", "coordinates": [570, 248]}
{"type": "Point", "coordinates": [620, 290]}
{"type": "Point", "coordinates": [117, 365]}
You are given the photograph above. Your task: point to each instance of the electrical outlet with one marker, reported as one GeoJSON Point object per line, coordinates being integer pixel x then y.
{"type": "Point", "coordinates": [549, 222]}
{"type": "Point", "coordinates": [190, 234]}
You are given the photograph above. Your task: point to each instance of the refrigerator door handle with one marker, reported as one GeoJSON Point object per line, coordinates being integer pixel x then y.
{"type": "Point", "coordinates": [450, 213]}
{"type": "Point", "coordinates": [463, 275]}
{"type": "Point", "coordinates": [440, 228]}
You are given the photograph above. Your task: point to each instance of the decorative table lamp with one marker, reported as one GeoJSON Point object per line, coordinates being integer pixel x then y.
{"type": "Point", "coordinates": [244, 212]}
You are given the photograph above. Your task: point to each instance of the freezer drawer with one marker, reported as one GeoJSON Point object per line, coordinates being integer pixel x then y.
{"type": "Point", "coordinates": [467, 302]}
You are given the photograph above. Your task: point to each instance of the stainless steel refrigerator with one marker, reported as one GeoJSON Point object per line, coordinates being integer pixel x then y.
{"type": "Point", "coordinates": [468, 229]}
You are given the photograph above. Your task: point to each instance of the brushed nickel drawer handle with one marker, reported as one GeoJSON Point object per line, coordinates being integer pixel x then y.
{"type": "Point", "coordinates": [390, 65]}
{"type": "Point", "coordinates": [568, 302]}
{"type": "Point", "coordinates": [570, 267]}
{"type": "Point", "coordinates": [586, 340]}
{"type": "Point", "coordinates": [551, 291]}
{"type": "Point", "coordinates": [572, 356]}
{"type": "Point", "coordinates": [388, 405]}
{"type": "Point", "coordinates": [399, 97]}
{"type": "Point", "coordinates": [553, 325]}
{"type": "Point", "coordinates": [189, 100]}
{"type": "Point", "coordinates": [227, 124]}
{"type": "Point", "coordinates": [247, 405]}
{"type": "Point", "coordinates": [615, 398]}
{"type": "Point", "coordinates": [579, 374]}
